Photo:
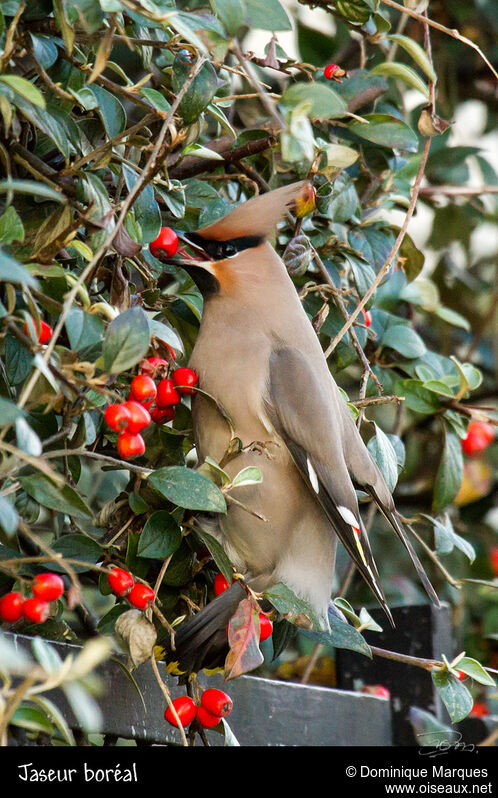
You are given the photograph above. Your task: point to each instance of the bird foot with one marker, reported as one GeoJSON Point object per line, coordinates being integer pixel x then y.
{"type": "Point", "coordinates": [261, 447]}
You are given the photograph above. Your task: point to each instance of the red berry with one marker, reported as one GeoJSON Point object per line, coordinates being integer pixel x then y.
{"type": "Point", "coordinates": [206, 719]}
{"type": "Point", "coordinates": [143, 388]}
{"type": "Point", "coordinates": [216, 702]}
{"type": "Point", "coordinates": [161, 415]}
{"type": "Point", "coordinates": [461, 676]}
{"type": "Point", "coordinates": [44, 331]}
{"type": "Point", "coordinates": [11, 607]}
{"type": "Point", "coordinates": [139, 416]}
{"type": "Point", "coordinates": [141, 596]}
{"type": "Point", "coordinates": [36, 609]}
{"type": "Point", "coordinates": [377, 689]}
{"type": "Point", "coordinates": [120, 581]}
{"type": "Point", "coordinates": [49, 587]}
{"type": "Point", "coordinates": [185, 709]}
{"type": "Point", "coordinates": [165, 245]}
{"type": "Point", "coordinates": [184, 379]}
{"type": "Point", "coordinates": [265, 627]}
{"type": "Point", "coordinates": [220, 584]}
{"type": "Point", "coordinates": [493, 557]}
{"type": "Point", "coordinates": [167, 394]}
{"type": "Point", "coordinates": [367, 318]}
{"type": "Point", "coordinates": [117, 417]}
{"type": "Point", "coordinates": [479, 436]}
{"type": "Point", "coordinates": [333, 72]}
{"type": "Point", "coordinates": [130, 444]}
{"type": "Point", "coordinates": [479, 710]}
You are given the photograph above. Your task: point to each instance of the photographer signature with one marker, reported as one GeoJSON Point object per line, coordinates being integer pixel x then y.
{"type": "Point", "coordinates": [442, 746]}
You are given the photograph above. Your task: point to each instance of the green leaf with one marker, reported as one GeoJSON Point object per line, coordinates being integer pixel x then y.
{"type": "Point", "coordinates": [417, 397]}
{"type": "Point", "coordinates": [145, 207]}
{"type": "Point", "coordinates": [382, 450]}
{"type": "Point", "coordinates": [32, 718]}
{"type": "Point", "coordinates": [429, 731]}
{"type": "Point", "coordinates": [47, 122]}
{"type": "Point", "coordinates": [156, 99]}
{"type": "Point", "coordinates": [474, 669]}
{"type": "Point", "coordinates": [187, 488]}
{"type": "Point", "coordinates": [447, 539]}
{"type": "Point", "coordinates": [266, 15]}
{"type": "Point", "coordinates": [137, 503]}
{"type": "Point", "coordinates": [455, 696]}
{"type": "Point", "coordinates": [355, 11]}
{"type": "Point", "coordinates": [85, 330]}
{"type": "Point", "coordinates": [111, 110]}
{"type": "Point", "coordinates": [231, 12]}
{"type": "Point", "coordinates": [404, 340]}
{"type": "Point", "coordinates": [39, 190]}
{"type": "Point", "coordinates": [56, 716]}
{"type": "Point", "coordinates": [293, 608]}
{"type": "Point", "coordinates": [450, 472]}
{"type": "Point", "coordinates": [126, 341]}
{"type": "Point", "coordinates": [324, 103]}
{"type": "Point", "coordinates": [62, 500]}
{"type": "Point", "coordinates": [11, 226]}
{"type": "Point", "coordinates": [27, 439]}
{"type": "Point", "coordinates": [200, 92]}
{"type": "Point", "coordinates": [218, 553]}
{"type": "Point", "coordinates": [8, 516]}
{"type": "Point", "coordinates": [402, 72]}
{"type": "Point", "coordinates": [11, 271]}
{"type": "Point", "coordinates": [452, 317]}
{"type": "Point", "coordinates": [417, 53]}
{"type": "Point", "coordinates": [248, 476]}
{"type": "Point", "coordinates": [45, 50]}
{"type": "Point", "coordinates": [9, 412]}
{"type": "Point", "coordinates": [77, 547]}
{"type": "Point", "coordinates": [161, 536]}
{"type": "Point", "coordinates": [341, 635]}
{"type": "Point", "coordinates": [413, 258]}
{"type": "Point", "coordinates": [25, 89]}
{"type": "Point", "coordinates": [387, 131]}
{"type": "Point", "coordinates": [440, 387]}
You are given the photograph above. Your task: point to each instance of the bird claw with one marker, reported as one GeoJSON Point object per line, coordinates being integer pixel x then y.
{"type": "Point", "coordinates": [261, 447]}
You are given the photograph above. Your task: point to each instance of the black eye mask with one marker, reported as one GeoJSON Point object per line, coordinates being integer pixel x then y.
{"type": "Point", "coordinates": [218, 250]}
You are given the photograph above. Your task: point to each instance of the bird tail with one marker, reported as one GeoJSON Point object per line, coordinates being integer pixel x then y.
{"type": "Point", "coordinates": [392, 517]}
{"type": "Point", "coordinates": [202, 641]}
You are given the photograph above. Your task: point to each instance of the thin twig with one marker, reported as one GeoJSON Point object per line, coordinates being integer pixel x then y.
{"type": "Point", "coordinates": [387, 264]}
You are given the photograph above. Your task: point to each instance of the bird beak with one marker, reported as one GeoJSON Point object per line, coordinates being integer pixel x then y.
{"type": "Point", "coordinates": [197, 252]}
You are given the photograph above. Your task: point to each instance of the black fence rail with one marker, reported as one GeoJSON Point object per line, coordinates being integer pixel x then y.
{"type": "Point", "coordinates": [268, 712]}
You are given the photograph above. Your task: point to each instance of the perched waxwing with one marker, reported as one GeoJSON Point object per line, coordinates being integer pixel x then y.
{"type": "Point", "coordinates": [259, 358]}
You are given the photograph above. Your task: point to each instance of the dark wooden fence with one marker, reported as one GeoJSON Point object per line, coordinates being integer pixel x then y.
{"type": "Point", "coordinates": [269, 712]}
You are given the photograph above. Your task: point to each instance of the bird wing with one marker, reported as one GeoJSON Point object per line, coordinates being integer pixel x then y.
{"type": "Point", "coordinates": [367, 476]}
{"type": "Point", "coordinates": [302, 414]}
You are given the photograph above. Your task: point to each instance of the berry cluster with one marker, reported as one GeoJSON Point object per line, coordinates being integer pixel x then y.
{"type": "Point", "coordinates": [215, 704]}
{"type": "Point", "coordinates": [123, 585]}
{"type": "Point", "coordinates": [148, 401]}
{"type": "Point", "coordinates": [45, 588]}
{"type": "Point", "coordinates": [265, 625]}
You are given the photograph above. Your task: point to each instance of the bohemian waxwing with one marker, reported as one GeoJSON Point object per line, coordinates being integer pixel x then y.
{"type": "Point", "coordinates": [258, 356]}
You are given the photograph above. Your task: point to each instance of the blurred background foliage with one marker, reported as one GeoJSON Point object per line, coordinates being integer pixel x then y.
{"type": "Point", "coordinates": [119, 117]}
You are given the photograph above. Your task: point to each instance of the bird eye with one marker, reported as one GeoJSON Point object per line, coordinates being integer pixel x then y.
{"type": "Point", "coordinates": [229, 250]}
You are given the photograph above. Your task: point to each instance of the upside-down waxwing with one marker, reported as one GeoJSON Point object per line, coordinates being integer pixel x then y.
{"type": "Point", "coordinates": [259, 357]}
